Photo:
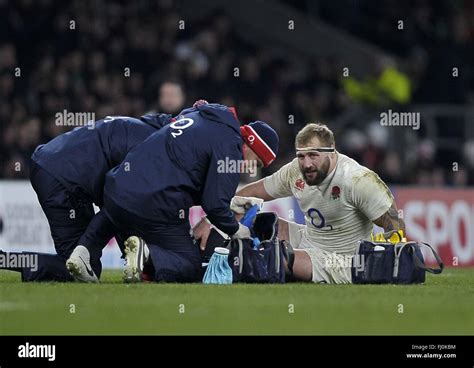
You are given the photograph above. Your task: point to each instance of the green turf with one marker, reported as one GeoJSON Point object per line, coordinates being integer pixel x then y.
{"type": "Point", "coordinates": [444, 305]}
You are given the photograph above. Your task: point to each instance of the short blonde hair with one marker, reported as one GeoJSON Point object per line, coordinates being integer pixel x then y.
{"type": "Point", "coordinates": [318, 130]}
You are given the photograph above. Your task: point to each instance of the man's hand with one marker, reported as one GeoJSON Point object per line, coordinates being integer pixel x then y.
{"type": "Point", "coordinates": [200, 102]}
{"type": "Point", "coordinates": [240, 205]}
{"type": "Point", "coordinates": [201, 232]}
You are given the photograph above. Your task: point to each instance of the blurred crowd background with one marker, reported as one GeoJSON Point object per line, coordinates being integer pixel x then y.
{"type": "Point", "coordinates": [74, 55]}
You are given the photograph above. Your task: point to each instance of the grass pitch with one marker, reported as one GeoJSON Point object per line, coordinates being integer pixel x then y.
{"type": "Point", "coordinates": [442, 306]}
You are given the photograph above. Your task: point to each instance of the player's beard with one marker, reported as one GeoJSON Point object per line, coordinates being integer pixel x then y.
{"type": "Point", "coordinates": [315, 176]}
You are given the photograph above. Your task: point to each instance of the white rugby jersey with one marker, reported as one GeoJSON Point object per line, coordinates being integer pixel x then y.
{"type": "Point", "coordinates": [340, 210]}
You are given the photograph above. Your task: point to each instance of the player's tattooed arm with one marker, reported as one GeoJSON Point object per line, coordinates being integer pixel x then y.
{"type": "Point", "coordinates": [390, 220]}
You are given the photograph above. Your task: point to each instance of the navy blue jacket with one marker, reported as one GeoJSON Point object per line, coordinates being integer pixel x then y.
{"type": "Point", "coordinates": [179, 167]}
{"type": "Point", "coordinates": [79, 159]}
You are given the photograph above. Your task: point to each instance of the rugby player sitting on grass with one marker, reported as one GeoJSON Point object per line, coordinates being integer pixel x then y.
{"type": "Point", "coordinates": [340, 198]}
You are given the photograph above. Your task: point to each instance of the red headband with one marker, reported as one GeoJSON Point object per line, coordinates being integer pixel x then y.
{"type": "Point", "coordinates": [257, 144]}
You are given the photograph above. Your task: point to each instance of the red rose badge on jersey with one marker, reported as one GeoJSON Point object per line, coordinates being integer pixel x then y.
{"type": "Point", "coordinates": [299, 184]}
{"type": "Point", "coordinates": [335, 192]}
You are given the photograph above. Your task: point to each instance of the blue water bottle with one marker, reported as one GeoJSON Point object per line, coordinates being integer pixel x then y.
{"type": "Point", "coordinates": [218, 270]}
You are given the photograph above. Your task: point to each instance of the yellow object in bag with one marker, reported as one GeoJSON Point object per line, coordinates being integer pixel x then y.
{"type": "Point", "coordinates": [394, 237]}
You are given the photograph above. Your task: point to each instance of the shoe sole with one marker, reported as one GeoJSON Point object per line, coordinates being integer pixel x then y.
{"type": "Point", "coordinates": [133, 252]}
{"type": "Point", "coordinates": [74, 271]}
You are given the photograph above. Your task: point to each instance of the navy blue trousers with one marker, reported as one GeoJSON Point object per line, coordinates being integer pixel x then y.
{"type": "Point", "coordinates": [174, 255]}
{"type": "Point", "coordinates": [68, 218]}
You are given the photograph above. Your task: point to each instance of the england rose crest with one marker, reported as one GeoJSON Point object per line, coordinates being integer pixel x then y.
{"type": "Point", "coordinates": [299, 184]}
{"type": "Point", "coordinates": [336, 192]}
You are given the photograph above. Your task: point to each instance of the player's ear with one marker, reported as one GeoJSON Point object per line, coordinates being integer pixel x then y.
{"type": "Point", "coordinates": [245, 149]}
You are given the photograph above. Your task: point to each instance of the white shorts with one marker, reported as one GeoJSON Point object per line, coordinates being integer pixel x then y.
{"type": "Point", "coordinates": [328, 267]}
